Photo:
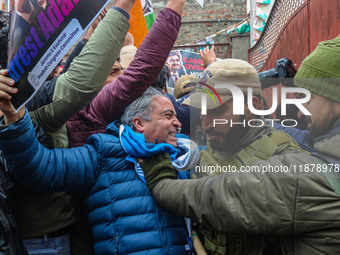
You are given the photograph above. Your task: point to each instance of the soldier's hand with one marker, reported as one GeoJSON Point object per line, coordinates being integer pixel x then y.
{"type": "Point", "coordinates": [157, 168]}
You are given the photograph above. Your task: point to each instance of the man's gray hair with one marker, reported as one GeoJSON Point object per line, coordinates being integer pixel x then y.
{"type": "Point", "coordinates": [140, 108]}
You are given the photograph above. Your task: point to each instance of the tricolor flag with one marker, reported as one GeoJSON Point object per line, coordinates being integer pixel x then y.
{"type": "Point", "coordinates": [141, 20]}
{"type": "Point", "coordinates": [2, 5]}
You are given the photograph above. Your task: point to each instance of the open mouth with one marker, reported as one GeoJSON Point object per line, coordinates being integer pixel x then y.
{"type": "Point", "coordinates": [172, 134]}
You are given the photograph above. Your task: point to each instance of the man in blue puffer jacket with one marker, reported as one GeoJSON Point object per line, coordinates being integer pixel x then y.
{"type": "Point", "coordinates": [123, 216]}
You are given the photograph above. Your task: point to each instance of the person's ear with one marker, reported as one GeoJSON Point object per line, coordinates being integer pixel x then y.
{"type": "Point", "coordinates": [256, 104]}
{"type": "Point", "coordinates": [138, 123]}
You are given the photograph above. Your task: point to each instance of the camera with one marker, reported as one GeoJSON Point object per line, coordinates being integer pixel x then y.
{"type": "Point", "coordinates": [283, 73]}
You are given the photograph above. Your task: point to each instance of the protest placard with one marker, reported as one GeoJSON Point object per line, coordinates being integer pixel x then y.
{"type": "Point", "coordinates": [183, 62]}
{"type": "Point", "coordinates": [41, 33]}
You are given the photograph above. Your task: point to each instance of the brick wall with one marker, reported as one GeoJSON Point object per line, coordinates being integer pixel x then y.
{"type": "Point", "coordinates": [198, 23]}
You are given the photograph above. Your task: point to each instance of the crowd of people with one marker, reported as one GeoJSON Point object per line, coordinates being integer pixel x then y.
{"type": "Point", "coordinates": [105, 160]}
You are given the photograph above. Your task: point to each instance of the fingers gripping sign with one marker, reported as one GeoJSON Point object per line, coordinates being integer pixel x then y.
{"type": "Point", "coordinates": [6, 92]}
{"type": "Point", "coordinates": [6, 85]}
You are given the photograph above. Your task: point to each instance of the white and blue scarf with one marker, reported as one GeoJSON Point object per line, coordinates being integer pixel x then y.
{"type": "Point", "coordinates": [183, 158]}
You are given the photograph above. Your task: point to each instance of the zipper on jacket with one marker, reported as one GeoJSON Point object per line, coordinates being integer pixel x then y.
{"type": "Point", "coordinates": [116, 243]}
{"type": "Point", "coordinates": [162, 228]}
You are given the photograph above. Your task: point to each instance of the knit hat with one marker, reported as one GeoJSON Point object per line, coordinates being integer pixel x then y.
{"type": "Point", "coordinates": [320, 71]}
{"type": "Point", "coordinates": [184, 84]}
{"type": "Point", "coordinates": [227, 71]}
{"type": "Point", "coordinates": [127, 54]}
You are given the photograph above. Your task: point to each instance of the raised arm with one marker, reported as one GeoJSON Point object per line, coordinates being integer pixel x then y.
{"type": "Point", "coordinates": [143, 70]}
{"type": "Point", "coordinates": [208, 56]}
{"type": "Point", "coordinates": [176, 5]}
{"type": "Point", "coordinates": [88, 72]}
{"type": "Point", "coordinates": [76, 51]}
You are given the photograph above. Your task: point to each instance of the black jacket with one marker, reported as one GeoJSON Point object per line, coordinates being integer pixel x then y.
{"type": "Point", "coordinates": [10, 239]}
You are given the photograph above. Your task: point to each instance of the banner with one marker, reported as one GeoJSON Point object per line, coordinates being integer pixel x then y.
{"type": "Point", "coordinates": [142, 18]}
{"type": "Point", "coordinates": [41, 33]}
{"type": "Point", "coordinates": [183, 62]}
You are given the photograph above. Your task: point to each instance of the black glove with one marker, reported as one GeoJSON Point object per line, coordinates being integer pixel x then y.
{"type": "Point", "coordinates": [157, 168]}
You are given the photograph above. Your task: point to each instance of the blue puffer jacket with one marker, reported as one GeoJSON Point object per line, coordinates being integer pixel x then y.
{"type": "Point", "coordinates": [124, 217]}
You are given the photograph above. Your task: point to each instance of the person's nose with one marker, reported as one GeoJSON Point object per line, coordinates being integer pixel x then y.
{"type": "Point", "coordinates": [301, 115]}
{"type": "Point", "coordinates": [177, 123]}
{"type": "Point", "coordinates": [207, 122]}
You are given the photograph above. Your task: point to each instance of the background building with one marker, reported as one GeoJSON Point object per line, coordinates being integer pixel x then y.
{"type": "Point", "coordinates": [209, 25]}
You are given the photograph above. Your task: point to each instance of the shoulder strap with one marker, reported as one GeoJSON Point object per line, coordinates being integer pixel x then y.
{"type": "Point", "coordinates": [267, 146]}
{"type": "Point", "coordinates": [284, 140]}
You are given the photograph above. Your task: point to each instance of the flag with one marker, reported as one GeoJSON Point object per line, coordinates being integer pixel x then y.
{"type": "Point", "coordinates": [3, 6]}
{"type": "Point", "coordinates": [142, 18]}
{"type": "Point", "coordinates": [200, 2]}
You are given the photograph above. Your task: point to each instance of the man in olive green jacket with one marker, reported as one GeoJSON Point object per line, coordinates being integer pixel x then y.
{"type": "Point", "coordinates": [248, 139]}
{"type": "Point", "coordinates": [294, 197]}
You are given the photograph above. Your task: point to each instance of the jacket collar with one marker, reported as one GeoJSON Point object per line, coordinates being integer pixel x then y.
{"type": "Point", "coordinates": [113, 128]}
{"type": "Point", "coordinates": [253, 134]}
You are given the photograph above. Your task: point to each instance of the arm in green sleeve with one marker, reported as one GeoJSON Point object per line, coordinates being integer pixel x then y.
{"type": "Point", "coordinates": [236, 202]}
{"type": "Point", "coordinates": [87, 74]}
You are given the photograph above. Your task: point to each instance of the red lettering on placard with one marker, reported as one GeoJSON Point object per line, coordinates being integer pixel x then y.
{"type": "Point", "coordinates": [194, 67]}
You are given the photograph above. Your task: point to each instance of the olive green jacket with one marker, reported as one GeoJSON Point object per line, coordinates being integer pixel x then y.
{"type": "Point", "coordinates": [258, 143]}
{"type": "Point", "coordinates": [296, 203]}
{"type": "Point", "coordinates": [84, 79]}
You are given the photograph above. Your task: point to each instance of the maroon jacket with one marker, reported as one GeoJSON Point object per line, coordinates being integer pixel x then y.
{"type": "Point", "coordinates": [113, 99]}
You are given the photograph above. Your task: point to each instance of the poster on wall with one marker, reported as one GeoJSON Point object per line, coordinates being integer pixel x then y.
{"type": "Point", "coordinates": [183, 62]}
{"type": "Point", "coordinates": [42, 32]}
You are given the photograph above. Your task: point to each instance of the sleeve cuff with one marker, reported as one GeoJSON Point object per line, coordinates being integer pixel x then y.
{"type": "Point", "coordinates": [127, 16]}
{"type": "Point", "coordinates": [21, 124]}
